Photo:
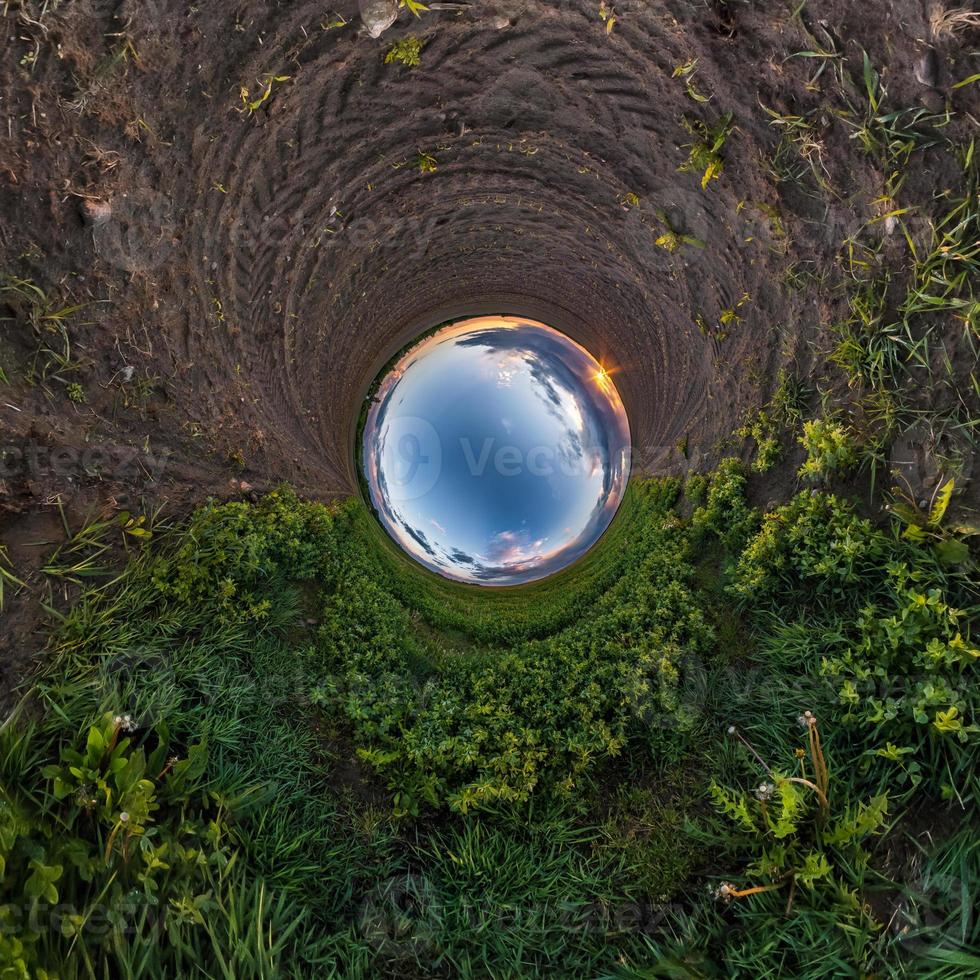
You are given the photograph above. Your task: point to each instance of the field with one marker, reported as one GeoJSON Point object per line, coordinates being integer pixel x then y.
{"type": "Point", "coordinates": [243, 735]}
{"type": "Point", "coordinates": [254, 743]}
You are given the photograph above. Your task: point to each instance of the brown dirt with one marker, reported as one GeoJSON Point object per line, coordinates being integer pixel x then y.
{"type": "Point", "coordinates": [256, 270]}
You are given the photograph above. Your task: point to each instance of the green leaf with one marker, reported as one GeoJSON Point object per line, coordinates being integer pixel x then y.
{"type": "Point", "coordinates": [871, 82]}
{"type": "Point", "coordinates": [947, 721]}
{"type": "Point", "coordinates": [95, 747]}
{"type": "Point", "coordinates": [734, 805]}
{"type": "Point", "coordinates": [791, 800]}
{"type": "Point", "coordinates": [711, 173]}
{"type": "Point", "coordinates": [859, 822]}
{"type": "Point", "coordinates": [941, 503]}
{"type": "Point", "coordinates": [61, 789]}
{"type": "Point", "coordinates": [967, 81]}
{"type": "Point", "coordinates": [815, 865]}
{"type": "Point", "coordinates": [95, 742]}
{"type": "Point", "coordinates": [951, 551]}
{"type": "Point", "coordinates": [41, 883]}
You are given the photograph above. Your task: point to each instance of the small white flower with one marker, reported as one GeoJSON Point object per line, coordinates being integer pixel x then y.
{"type": "Point", "coordinates": [764, 791]}
{"type": "Point", "coordinates": [123, 817]}
{"type": "Point", "coordinates": [731, 729]}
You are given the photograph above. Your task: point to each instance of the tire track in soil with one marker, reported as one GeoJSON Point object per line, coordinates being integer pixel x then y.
{"type": "Point", "coordinates": [309, 247]}
{"type": "Point", "coordinates": [539, 130]}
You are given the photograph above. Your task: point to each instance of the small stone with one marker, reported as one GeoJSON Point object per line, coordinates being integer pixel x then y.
{"type": "Point", "coordinates": [127, 373]}
{"type": "Point", "coordinates": [501, 23]}
{"type": "Point", "coordinates": [378, 15]}
{"type": "Point", "coordinates": [927, 69]}
{"type": "Point", "coordinates": [94, 213]}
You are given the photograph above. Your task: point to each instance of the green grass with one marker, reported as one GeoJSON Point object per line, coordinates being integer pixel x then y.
{"type": "Point", "coordinates": [202, 643]}
{"type": "Point", "coordinates": [349, 797]}
{"type": "Point", "coordinates": [538, 713]}
{"type": "Point", "coordinates": [47, 320]}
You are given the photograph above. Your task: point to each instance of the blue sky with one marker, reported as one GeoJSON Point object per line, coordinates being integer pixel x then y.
{"type": "Point", "coordinates": [496, 451]}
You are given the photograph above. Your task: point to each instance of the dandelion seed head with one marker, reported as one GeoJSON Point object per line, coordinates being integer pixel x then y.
{"type": "Point", "coordinates": [724, 892]}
